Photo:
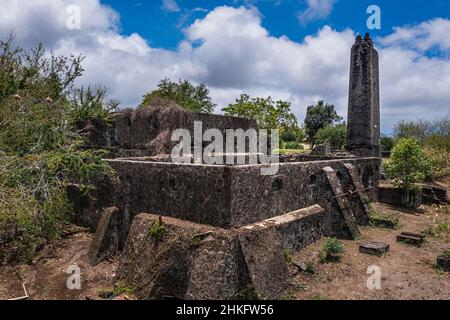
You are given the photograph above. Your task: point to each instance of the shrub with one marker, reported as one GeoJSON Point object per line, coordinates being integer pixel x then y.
{"type": "Point", "coordinates": [292, 145]}
{"type": "Point", "coordinates": [40, 151]}
{"type": "Point", "coordinates": [440, 159]}
{"type": "Point", "coordinates": [157, 230]}
{"type": "Point", "coordinates": [332, 250]}
{"type": "Point", "coordinates": [408, 166]}
{"type": "Point", "coordinates": [333, 246]}
{"type": "Point", "coordinates": [337, 135]}
{"type": "Point", "coordinates": [287, 256]}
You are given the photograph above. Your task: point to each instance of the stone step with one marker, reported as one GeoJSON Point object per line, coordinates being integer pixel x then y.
{"type": "Point", "coordinates": [384, 222]}
{"type": "Point", "coordinates": [374, 248]}
{"type": "Point", "coordinates": [413, 234]}
{"type": "Point", "coordinates": [342, 202]}
{"type": "Point", "coordinates": [411, 240]}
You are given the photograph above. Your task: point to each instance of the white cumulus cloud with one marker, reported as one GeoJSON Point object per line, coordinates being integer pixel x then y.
{"type": "Point", "coordinates": [316, 10]}
{"type": "Point", "coordinates": [233, 53]}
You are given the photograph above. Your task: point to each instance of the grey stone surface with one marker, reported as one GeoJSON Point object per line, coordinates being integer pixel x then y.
{"type": "Point", "coordinates": [196, 261]}
{"type": "Point", "coordinates": [392, 195]}
{"type": "Point", "coordinates": [263, 254]}
{"type": "Point", "coordinates": [434, 193]}
{"type": "Point", "coordinates": [297, 229]}
{"type": "Point", "coordinates": [342, 203]}
{"type": "Point", "coordinates": [374, 248]}
{"type": "Point", "coordinates": [359, 201]}
{"type": "Point", "coordinates": [363, 134]}
{"type": "Point", "coordinates": [106, 238]}
{"type": "Point", "coordinates": [443, 261]}
{"type": "Point", "coordinates": [147, 131]}
{"type": "Point", "coordinates": [223, 196]}
{"type": "Point", "coordinates": [411, 239]}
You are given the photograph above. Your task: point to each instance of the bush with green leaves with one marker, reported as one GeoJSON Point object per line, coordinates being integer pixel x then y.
{"type": "Point", "coordinates": [268, 113]}
{"type": "Point", "coordinates": [336, 134]}
{"type": "Point", "coordinates": [291, 145]}
{"type": "Point", "coordinates": [183, 93]}
{"type": "Point", "coordinates": [40, 150]}
{"type": "Point", "coordinates": [332, 248]}
{"type": "Point", "coordinates": [407, 166]}
{"type": "Point", "coordinates": [318, 117]}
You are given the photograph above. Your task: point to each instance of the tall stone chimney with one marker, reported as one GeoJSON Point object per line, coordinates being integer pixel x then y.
{"type": "Point", "coordinates": [363, 135]}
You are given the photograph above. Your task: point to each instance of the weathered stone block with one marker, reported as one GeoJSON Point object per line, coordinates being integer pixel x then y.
{"type": "Point", "coordinates": [297, 229]}
{"type": "Point", "coordinates": [156, 258]}
{"type": "Point", "coordinates": [342, 202]}
{"type": "Point", "coordinates": [443, 261]}
{"type": "Point", "coordinates": [384, 221]}
{"type": "Point", "coordinates": [411, 239]}
{"type": "Point", "coordinates": [433, 193]}
{"type": "Point", "coordinates": [263, 254]}
{"type": "Point", "coordinates": [393, 196]}
{"type": "Point", "coordinates": [106, 238]}
{"type": "Point", "coordinates": [374, 248]}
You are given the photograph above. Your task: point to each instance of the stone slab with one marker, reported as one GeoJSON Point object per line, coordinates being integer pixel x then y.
{"type": "Point", "coordinates": [374, 248]}
{"type": "Point", "coordinates": [443, 261]}
{"type": "Point", "coordinates": [411, 240]}
{"type": "Point", "coordinates": [263, 254]}
{"type": "Point", "coordinates": [342, 202]}
{"type": "Point", "coordinates": [384, 222]}
{"type": "Point", "coordinates": [106, 238]}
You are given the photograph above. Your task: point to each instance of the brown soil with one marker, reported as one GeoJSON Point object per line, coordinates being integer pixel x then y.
{"type": "Point", "coordinates": [407, 272]}
{"type": "Point", "coordinates": [46, 278]}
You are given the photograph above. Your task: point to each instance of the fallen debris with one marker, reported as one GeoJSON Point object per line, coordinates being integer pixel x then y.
{"type": "Point", "coordinates": [24, 297]}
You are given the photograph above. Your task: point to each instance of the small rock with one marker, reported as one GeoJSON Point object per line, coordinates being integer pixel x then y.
{"type": "Point", "coordinates": [301, 266]}
{"type": "Point", "coordinates": [443, 261]}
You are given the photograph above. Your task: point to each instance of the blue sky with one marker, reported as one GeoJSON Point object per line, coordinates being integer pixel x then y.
{"type": "Point", "coordinates": [164, 28]}
{"type": "Point", "coordinates": [294, 50]}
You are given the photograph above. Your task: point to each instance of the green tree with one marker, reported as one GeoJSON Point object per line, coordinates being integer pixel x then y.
{"type": "Point", "coordinates": [268, 113]}
{"type": "Point", "coordinates": [408, 166]}
{"type": "Point", "coordinates": [318, 117]}
{"type": "Point", "coordinates": [337, 135]}
{"type": "Point", "coordinates": [183, 93]}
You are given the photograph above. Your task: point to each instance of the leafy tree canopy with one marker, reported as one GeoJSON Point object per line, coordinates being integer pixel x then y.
{"type": "Point", "coordinates": [318, 117]}
{"type": "Point", "coordinates": [268, 113]}
{"type": "Point", "coordinates": [183, 93]}
{"type": "Point", "coordinates": [337, 135]}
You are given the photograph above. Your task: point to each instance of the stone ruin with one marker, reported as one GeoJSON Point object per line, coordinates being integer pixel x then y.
{"type": "Point", "coordinates": [197, 231]}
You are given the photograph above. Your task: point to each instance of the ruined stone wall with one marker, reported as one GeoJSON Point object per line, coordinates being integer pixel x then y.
{"type": "Point", "coordinates": [225, 196]}
{"type": "Point", "coordinates": [256, 197]}
{"type": "Point", "coordinates": [147, 131]}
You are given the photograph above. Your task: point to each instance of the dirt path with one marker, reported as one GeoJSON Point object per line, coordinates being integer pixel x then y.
{"type": "Point", "coordinates": [46, 278]}
{"type": "Point", "coordinates": [406, 272]}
